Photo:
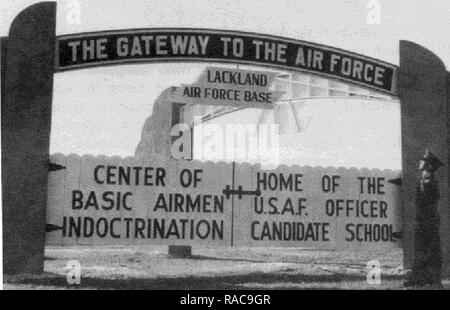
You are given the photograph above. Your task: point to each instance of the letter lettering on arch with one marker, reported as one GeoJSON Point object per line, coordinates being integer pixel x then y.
{"type": "Point", "coordinates": [207, 45]}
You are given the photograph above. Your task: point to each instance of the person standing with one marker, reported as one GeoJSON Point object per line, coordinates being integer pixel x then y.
{"type": "Point", "coordinates": [427, 267]}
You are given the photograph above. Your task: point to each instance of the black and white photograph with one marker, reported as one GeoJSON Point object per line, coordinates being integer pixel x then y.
{"type": "Point", "coordinates": [240, 147]}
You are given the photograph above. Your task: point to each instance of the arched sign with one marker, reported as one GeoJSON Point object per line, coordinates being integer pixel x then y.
{"type": "Point", "coordinates": [156, 45]}
{"type": "Point", "coordinates": [32, 54]}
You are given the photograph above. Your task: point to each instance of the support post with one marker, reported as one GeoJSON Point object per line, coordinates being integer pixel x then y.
{"type": "Point", "coordinates": [424, 121]}
{"type": "Point", "coordinates": [180, 251]}
{"type": "Point", "coordinates": [26, 117]}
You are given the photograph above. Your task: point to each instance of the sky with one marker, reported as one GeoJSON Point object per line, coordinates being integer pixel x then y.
{"type": "Point", "coordinates": [102, 110]}
{"type": "Point", "coordinates": [337, 23]}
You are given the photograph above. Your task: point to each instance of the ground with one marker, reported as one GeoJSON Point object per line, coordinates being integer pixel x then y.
{"type": "Point", "coordinates": [225, 268]}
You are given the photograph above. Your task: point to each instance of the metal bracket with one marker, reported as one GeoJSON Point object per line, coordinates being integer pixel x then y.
{"type": "Point", "coordinates": [52, 227]}
{"type": "Point", "coordinates": [54, 167]}
{"type": "Point", "coordinates": [240, 192]}
{"type": "Point", "coordinates": [397, 234]}
{"type": "Point", "coordinates": [397, 181]}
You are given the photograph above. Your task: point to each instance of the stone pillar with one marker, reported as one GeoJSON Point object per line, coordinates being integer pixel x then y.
{"type": "Point", "coordinates": [424, 121]}
{"type": "Point", "coordinates": [26, 118]}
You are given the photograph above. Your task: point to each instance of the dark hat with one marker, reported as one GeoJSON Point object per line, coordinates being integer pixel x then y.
{"type": "Point", "coordinates": [432, 160]}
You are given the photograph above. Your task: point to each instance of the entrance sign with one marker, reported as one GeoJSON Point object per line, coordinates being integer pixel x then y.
{"type": "Point", "coordinates": [155, 45]}
{"type": "Point", "coordinates": [85, 202]}
{"type": "Point", "coordinates": [101, 200]}
{"type": "Point", "coordinates": [231, 87]}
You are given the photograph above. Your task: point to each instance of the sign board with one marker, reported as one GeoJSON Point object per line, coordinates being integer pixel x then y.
{"type": "Point", "coordinates": [127, 201]}
{"type": "Point", "coordinates": [318, 207]}
{"type": "Point", "coordinates": [100, 200]}
{"type": "Point", "coordinates": [231, 87]}
{"type": "Point", "coordinates": [171, 44]}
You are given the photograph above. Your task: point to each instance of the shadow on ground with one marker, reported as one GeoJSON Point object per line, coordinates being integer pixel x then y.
{"type": "Point", "coordinates": [212, 258]}
{"type": "Point", "coordinates": [189, 283]}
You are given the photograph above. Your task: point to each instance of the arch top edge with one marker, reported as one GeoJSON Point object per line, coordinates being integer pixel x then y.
{"type": "Point", "coordinates": [409, 49]}
{"type": "Point", "coordinates": [34, 14]}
